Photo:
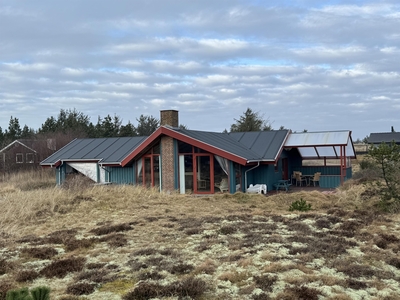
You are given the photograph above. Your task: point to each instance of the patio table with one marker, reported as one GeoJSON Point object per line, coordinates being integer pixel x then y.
{"type": "Point", "coordinates": [282, 184]}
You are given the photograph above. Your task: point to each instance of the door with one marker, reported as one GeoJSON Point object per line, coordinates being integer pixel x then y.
{"type": "Point", "coordinates": [203, 177]}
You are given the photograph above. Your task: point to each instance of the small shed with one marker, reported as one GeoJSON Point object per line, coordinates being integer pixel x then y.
{"type": "Point", "coordinates": [19, 155]}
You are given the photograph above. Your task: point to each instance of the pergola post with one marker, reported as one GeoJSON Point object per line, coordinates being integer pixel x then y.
{"type": "Point", "coordinates": [343, 164]}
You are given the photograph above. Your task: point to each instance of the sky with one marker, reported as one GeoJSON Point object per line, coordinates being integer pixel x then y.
{"type": "Point", "coordinates": [301, 64]}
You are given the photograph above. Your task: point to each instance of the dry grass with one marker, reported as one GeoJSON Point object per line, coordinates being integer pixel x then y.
{"type": "Point", "coordinates": [126, 242]}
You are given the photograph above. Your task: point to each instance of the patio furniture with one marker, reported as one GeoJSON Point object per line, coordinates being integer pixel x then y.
{"type": "Point", "coordinates": [282, 184]}
{"type": "Point", "coordinates": [223, 185]}
{"type": "Point", "coordinates": [316, 177]}
{"type": "Point", "coordinates": [257, 189]}
{"type": "Point", "coordinates": [300, 179]}
{"type": "Point", "coordinates": [293, 177]}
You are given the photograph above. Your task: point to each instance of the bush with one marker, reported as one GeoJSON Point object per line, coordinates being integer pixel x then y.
{"type": "Point", "coordinates": [26, 275]}
{"type": "Point", "coordinates": [41, 293]}
{"type": "Point", "coordinates": [81, 288]}
{"type": "Point", "coordinates": [20, 294]}
{"type": "Point", "coordinates": [387, 157]}
{"type": "Point", "coordinates": [60, 268]}
{"type": "Point", "coordinates": [300, 205]}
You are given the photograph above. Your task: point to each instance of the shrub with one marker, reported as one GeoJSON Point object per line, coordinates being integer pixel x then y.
{"type": "Point", "coordinates": [304, 292]}
{"type": "Point", "coordinates": [26, 275]}
{"type": "Point", "coordinates": [20, 294]}
{"type": "Point", "coordinates": [111, 228]}
{"type": "Point", "coordinates": [300, 205]}
{"type": "Point", "coordinates": [192, 288]}
{"type": "Point", "coordinates": [5, 286]}
{"type": "Point", "coordinates": [265, 282]}
{"type": "Point", "coordinates": [41, 293]}
{"type": "Point", "coordinates": [62, 267]}
{"type": "Point", "coordinates": [38, 293]}
{"type": "Point", "coordinates": [81, 288]}
{"type": "Point", "coordinates": [4, 266]}
{"type": "Point", "coordinates": [387, 157]}
{"type": "Point", "coordinates": [40, 252]}
{"type": "Point", "coordinates": [143, 291]}
{"type": "Point", "coordinates": [73, 244]}
{"type": "Point", "coordinates": [227, 229]}
{"type": "Point", "coordinates": [115, 240]}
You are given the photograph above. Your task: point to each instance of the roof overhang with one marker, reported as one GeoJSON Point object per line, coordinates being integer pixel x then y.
{"type": "Point", "coordinates": [61, 161]}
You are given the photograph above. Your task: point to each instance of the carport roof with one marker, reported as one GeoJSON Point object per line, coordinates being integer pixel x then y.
{"type": "Point", "coordinates": [316, 145]}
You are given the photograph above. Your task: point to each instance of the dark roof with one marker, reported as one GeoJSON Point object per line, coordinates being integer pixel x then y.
{"type": "Point", "coordinates": [386, 137]}
{"type": "Point", "coordinates": [266, 144]}
{"type": "Point", "coordinates": [106, 150]}
{"type": "Point", "coordinates": [252, 146]}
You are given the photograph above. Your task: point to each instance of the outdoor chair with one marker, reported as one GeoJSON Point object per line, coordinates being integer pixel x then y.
{"type": "Point", "coordinates": [300, 179]}
{"type": "Point", "coordinates": [293, 177]}
{"type": "Point", "coordinates": [223, 185]}
{"type": "Point", "coordinates": [315, 178]}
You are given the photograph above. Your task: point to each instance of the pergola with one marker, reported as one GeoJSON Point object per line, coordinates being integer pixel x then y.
{"type": "Point", "coordinates": [324, 145]}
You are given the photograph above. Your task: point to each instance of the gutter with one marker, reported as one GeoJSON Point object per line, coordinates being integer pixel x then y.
{"type": "Point", "coordinates": [245, 173]}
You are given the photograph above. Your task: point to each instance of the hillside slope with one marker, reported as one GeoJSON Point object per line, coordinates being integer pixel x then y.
{"type": "Point", "coordinates": [125, 242]}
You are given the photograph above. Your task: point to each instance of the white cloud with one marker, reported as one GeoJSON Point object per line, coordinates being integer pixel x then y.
{"type": "Point", "coordinates": [134, 57]}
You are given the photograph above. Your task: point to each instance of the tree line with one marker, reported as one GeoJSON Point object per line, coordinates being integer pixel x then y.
{"type": "Point", "coordinates": [71, 123]}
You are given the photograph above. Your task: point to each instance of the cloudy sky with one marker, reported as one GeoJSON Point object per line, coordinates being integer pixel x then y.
{"type": "Point", "coordinates": [303, 64]}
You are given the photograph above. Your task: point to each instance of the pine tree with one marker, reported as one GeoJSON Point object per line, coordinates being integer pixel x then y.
{"type": "Point", "coordinates": [251, 121]}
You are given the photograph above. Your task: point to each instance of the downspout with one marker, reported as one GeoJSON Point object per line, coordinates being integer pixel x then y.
{"type": "Point", "coordinates": [245, 173]}
{"type": "Point", "coordinates": [105, 170]}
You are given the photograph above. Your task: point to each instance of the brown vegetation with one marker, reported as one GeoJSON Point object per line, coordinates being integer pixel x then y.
{"type": "Point", "coordinates": [126, 242]}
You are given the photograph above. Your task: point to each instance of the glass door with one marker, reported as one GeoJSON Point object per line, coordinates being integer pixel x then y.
{"type": "Point", "coordinates": [204, 164]}
{"type": "Point", "coordinates": [147, 172]}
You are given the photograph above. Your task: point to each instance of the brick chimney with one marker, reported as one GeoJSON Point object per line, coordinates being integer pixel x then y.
{"type": "Point", "coordinates": [168, 155]}
{"type": "Point", "coordinates": [169, 118]}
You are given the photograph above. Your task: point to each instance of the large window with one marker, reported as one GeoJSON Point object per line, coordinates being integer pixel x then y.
{"type": "Point", "coordinates": [200, 171]}
{"type": "Point", "coordinates": [148, 168]}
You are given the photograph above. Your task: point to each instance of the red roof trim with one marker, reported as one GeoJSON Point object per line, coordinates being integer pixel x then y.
{"type": "Point", "coordinates": [207, 147]}
{"type": "Point", "coordinates": [179, 136]}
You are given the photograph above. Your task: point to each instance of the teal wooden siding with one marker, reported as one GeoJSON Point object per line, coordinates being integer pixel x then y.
{"type": "Point", "coordinates": [330, 175]}
{"type": "Point", "coordinates": [264, 174]}
{"type": "Point", "coordinates": [120, 175]}
{"type": "Point", "coordinates": [60, 174]}
{"type": "Point", "coordinates": [232, 178]}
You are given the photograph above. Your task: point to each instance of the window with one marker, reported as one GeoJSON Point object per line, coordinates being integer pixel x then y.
{"type": "Point", "coordinates": [30, 158]}
{"type": "Point", "coordinates": [19, 158]}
